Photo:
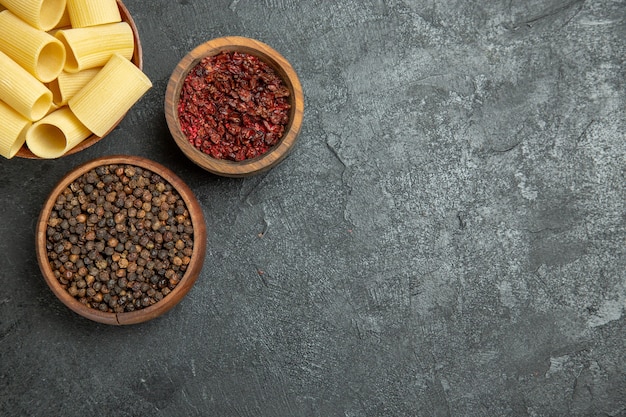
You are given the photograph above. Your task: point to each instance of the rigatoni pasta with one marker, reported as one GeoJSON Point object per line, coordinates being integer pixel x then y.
{"type": "Point", "coordinates": [84, 13]}
{"type": "Point", "coordinates": [64, 22]}
{"type": "Point", "coordinates": [67, 84]}
{"type": "Point", "coordinates": [101, 82]}
{"type": "Point", "coordinates": [55, 134]}
{"type": "Point", "coordinates": [13, 127]}
{"type": "Point", "coordinates": [109, 95]}
{"type": "Point", "coordinates": [53, 107]}
{"type": "Point", "coordinates": [38, 52]}
{"type": "Point", "coordinates": [85, 47]}
{"type": "Point", "coordinates": [41, 14]}
{"type": "Point", "coordinates": [20, 90]}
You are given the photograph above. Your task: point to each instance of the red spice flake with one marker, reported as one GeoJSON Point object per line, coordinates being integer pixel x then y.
{"type": "Point", "coordinates": [233, 106]}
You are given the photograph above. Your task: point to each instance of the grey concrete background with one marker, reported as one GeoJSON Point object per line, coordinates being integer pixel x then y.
{"type": "Point", "coordinates": [447, 239]}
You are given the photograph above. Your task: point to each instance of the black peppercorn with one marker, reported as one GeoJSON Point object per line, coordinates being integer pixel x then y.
{"type": "Point", "coordinates": [112, 239]}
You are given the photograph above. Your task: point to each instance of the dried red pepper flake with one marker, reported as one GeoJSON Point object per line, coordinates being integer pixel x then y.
{"type": "Point", "coordinates": [233, 106]}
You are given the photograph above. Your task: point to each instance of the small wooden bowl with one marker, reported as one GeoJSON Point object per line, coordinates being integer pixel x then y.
{"type": "Point", "coordinates": [180, 290]}
{"type": "Point", "coordinates": [282, 68]}
{"type": "Point", "coordinates": [137, 59]}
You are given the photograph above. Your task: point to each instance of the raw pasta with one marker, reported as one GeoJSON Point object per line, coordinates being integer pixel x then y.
{"type": "Point", "coordinates": [109, 95]}
{"type": "Point", "coordinates": [41, 14]}
{"type": "Point", "coordinates": [92, 43]}
{"type": "Point", "coordinates": [84, 13]}
{"type": "Point", "coordinates": [53, 107]}
{"type": "Point", "coordinates": [36, 51]}
{"type": "Point", "coordinates": [23, 92]}
{"type": "Point", "coordinates": [67, 84]}
{"type": "Point", "coordinates": [86, 49]}
{"type": "Point", "coordinates": [55, 134]}
{"type": "Point", "coordinates": [64, 22]}
{"type": "Point", "coordinates": [13, 127]}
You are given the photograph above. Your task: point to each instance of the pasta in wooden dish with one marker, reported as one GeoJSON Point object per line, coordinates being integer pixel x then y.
{"type": "Point", "coordinates": [85, 48]}
{"type": "Point", "coordinates": [108, 38]}
{"type": "Point", "coordinates": [36, 51]}
{"type": "Point", "coordinates": [85, 13]}
{"type": "Point", "coordinates": [41, 14]}
{"type": "Point", "coordinates": [22, 91]}
{"type": "Point", "coordinates": [101, 103]}
{"type": "Point", "coordinates": [68, 84]}
{"type": "Point", "coordinates": [56, 133]}
{"type": "Point", "coordinates": [13, 132]}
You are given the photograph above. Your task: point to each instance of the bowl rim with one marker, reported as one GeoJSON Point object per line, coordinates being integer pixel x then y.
{"type": "Point", "coordinates": [136, 59]}
{"type": "Point", "coordinates": [182, 288]}
{"type": "Point", "coordinates": [270, 56]}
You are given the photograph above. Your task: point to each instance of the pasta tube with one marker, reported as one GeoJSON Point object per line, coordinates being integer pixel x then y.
{"type": "Point", "coordinates": [84, 13]}
{"type": "Point", "coordinates": [55, 134]}
{"type": "Point", "coordinates": [53, 108]}
{"type": "Point", "coordinates": [20, 90]}
{"type": "Point", "coordinates": [109, 95]}
{"type": "Point", "coordinates": [92, 47]}
{"type": "Point", "coordinates": [41, 14]}
{"type": "Point", "coordinates": [13, 127]}
{"type": "Point", "coordinates": [38, 52]}
{"type": "Point", "coordinates": [67, 84]}
{"type": "Point", "coordinates": [65, 21]}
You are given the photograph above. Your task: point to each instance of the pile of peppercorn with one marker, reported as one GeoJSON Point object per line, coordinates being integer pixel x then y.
{"type": "Point", "coordinates": [119, 238]}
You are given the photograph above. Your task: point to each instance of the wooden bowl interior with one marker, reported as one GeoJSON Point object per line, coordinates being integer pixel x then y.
{"type": "Point", "coordinates": [282, 68]}
{"type": "Point", "coordinates": [181, 289]}
{"type": "Point", "coordinates": [137, 59]}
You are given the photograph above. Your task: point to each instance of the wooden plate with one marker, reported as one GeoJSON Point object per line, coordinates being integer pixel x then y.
{"type": "Point", "coordinates": [137, 59]}
{"type": "Point", "coordinates": [280, 65]}
{"type": "Point", "coordinates": [187, 280]}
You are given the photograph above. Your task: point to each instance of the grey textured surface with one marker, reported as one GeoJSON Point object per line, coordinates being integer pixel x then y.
{"type": "Point", "coordinates": [448, 238]}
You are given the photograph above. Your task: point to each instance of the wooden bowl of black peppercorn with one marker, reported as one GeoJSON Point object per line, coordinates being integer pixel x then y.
{"type": "Point", "coordinates": [234, 106]}
{"type": "Point", "coordinates": [121, 240]}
